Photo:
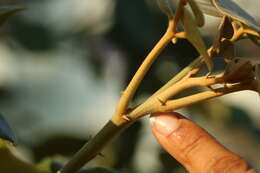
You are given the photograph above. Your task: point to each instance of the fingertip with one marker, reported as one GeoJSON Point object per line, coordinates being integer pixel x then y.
{"type": "Point", "coordinates": [188, 143]}
{"type": "Point", "coordinates": [165, 123]}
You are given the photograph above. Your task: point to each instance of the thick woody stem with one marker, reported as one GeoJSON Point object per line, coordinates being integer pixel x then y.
{"type": "Point", "coordinates": [93, 147]}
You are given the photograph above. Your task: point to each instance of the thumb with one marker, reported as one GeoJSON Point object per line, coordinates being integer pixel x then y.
{"type": "Point", "coordinates": [193, 147]}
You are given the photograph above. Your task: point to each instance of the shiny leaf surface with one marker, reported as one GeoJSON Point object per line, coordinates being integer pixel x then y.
{"type": "Point", "coordinates": [229, 8]}
{"type": "Point", "coordinates": [232, 9]}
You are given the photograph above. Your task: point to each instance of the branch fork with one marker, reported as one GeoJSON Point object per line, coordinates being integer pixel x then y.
{"type": "Point", "coordinates": [161, 101]}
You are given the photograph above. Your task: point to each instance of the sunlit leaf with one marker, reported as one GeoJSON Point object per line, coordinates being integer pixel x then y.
{"type": "Point", "coordinates": [5, 130]}
{"type": "Point", "coordinates": [6, 12]}
{"type": "Point", "coordinates": [232, 9]}
{"type": "Point", "coordinates": [194, 37]}
{"type": "Point", "coordinates": [9, 163]}
{"type": "Point", "coordinates": [228, 8]}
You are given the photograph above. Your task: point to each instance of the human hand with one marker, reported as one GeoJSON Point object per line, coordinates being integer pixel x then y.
{"type": "Point", "coordinates": [193, 147]}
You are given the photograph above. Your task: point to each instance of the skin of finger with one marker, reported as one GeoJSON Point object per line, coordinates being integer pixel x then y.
{"type": "Point", "coordinates": [198, 151]}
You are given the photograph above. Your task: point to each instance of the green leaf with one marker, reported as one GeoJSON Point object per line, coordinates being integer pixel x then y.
{"type": "Point", "coordinates": [6, 12]}
{"type": "Point", "coordinates": [200, 20]}
{"type": "Point", "coordinates": [207, 7]}
{"type": "Point", "coordinates": [165, 7]}
{"type": "Point", "coordinates": [228, 8]}
{"type": "Point", "coordinates": [9, 163]}
{"type": "Point", "coordinates": [194, 37]}
{"type": "Point", "coordinates": [5, 130]}
{"type": "Point", "coordinates": [233, 10]}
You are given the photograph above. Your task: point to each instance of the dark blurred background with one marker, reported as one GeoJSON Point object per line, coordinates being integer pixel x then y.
{"type": "Point", "coordinates": [63, 64]}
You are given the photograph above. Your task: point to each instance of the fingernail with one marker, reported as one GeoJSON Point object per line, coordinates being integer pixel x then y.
{"type": "Point", "coordinates": [164, 124]}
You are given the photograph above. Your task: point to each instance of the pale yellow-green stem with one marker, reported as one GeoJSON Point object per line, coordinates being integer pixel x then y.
{"type": "Point", "coordinates": [110, 130]}
{"type": "Point", "coordinates": [180, 75]}
{"type": "Point", "coordinates": [158, 102]}
{"type": "Point", "coordinates": [189, 100]}
{"type": "Point", "coordinates": [139, 75]}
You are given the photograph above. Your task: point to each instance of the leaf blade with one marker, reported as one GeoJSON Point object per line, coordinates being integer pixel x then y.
{"type": "Point", "coordinates": [232, 9]}
{"type": "Point", "coordinates": [194, 37]}
{"type": "Point", "coordinates": [6, 12]}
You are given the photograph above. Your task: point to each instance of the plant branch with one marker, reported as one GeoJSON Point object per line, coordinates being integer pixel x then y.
{"type": "Point", "coordinates": [194, 64]}
{"type": "Point", "coordinates": [159, 101]}
{"type": "Point", "coordinates": [93, 147]}
{"type": "Point", "coordinates": [155, 106]}
{"type": "Point", "coordinates": [139, 75]}
{"type": "Point", "coordinates": [186, 83]}
{"type": "Point", "coordinates": [189, 100]}
{"type": "Point", "coordinates": [161, 98]}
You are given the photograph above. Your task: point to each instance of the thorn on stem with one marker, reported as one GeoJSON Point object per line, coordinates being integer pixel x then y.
{"type": "Point", "coordinates": [211, 88]}
{"type": "Point", "coordinates": [125, 117]}
{"type": "Point", "coordinates": [163, 103]}
{"type": "Point", "coordinates": [101, 155]}
{"type": "Point", "coordinates": [225, 86]}
{"type": "Point", "coordinates": [209, 75]}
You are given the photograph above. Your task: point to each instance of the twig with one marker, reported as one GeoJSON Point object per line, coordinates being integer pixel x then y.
{"type": "Point", "coordinates": [157, 102]}
{"type": "Point", "coordinates": [180, 75]}
{"type": "Point", "coordinates": [154, 106]}
{"type": "Point", "coordinates": [189, 100]}
{"type": "Point", "coordinates": [110, 130]}
{"type": "Point", "coordinates": [139, 75]}
{"type": "Point", "coordinates": [160, 99]}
